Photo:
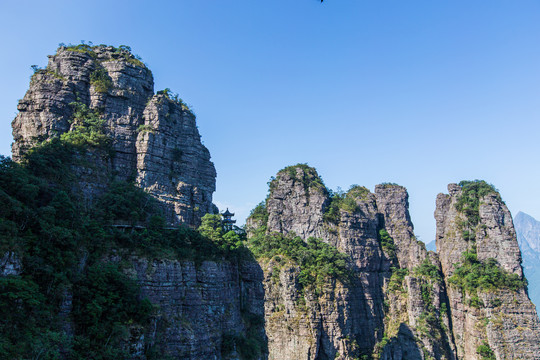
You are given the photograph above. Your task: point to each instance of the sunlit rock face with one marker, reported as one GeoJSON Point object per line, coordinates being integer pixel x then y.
{"type": "Point", "coordinates": [154, 138]}
{"type": "Point", "coordinates": [503, 319]}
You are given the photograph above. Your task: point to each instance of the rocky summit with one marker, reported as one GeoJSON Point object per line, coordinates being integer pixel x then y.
{"type": "Point", "coordinates": [154, 138]}
{"type": "Point", "coordinates": [111, 247]}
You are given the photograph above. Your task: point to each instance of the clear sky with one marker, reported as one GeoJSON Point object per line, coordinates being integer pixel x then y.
{"type": "Point", "coordinates": [421, 93]}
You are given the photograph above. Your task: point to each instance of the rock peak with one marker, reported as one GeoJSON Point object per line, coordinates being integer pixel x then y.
{"type": "Point", "coordinates": [154, 137]}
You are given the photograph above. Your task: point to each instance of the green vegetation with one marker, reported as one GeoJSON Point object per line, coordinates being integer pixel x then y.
{"type": "Point", "coordinates": [427, 269]}
{"type": "Point", "coordinates": [40, 71]}
{"type": "Point", "coordinates": [310, 178]}
{"type": "Point", "coordinates": [318, 261]}
{"type": "Point", "coordinates": [66, 248]}
{"type": "Point", "coordinates": [122, 52]}
{"type": "Point", "coordinates": [106, 302]}
{"type": "Point", "coordinates": [485, 352]}
{"type": "Point", "coordinates": [472, 275]}
{"type": "Point", "coordinates": [260, 215]}
{"type": "Point", "coordinates": [146, 129]}
{"type": "Point", "coordinates": [427, 323]}
{"type": "Point", "coordinates": [358, 192]}
{"type": "Point", "coordinates": [396, 279]}
{"type": "Point", "coordinates": [388, 245]}
{"type": "Point", "coordinates": [101, 80]}
{"type": "Point", "coordinates": [340, 200]}
{"type": "Point", "coordinates": [81, 48]}
{"type": "Point", "coordinates": [177, 100]}
{"type": "Point", "coordinates": [87, 129]}
{"type": "Point", "coordinates": [475, 302]}
{"type": "Point", "coordinates": [468, 202]}
{"type": "Point", "coordinates": [250, 346]}
{"type": "Point", "coordinates": [389, 184]}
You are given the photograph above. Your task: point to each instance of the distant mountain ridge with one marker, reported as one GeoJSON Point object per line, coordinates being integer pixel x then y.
{"type": "Point", "coordinates": [528, 236]}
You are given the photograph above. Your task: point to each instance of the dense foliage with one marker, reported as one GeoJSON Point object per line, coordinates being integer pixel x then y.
{"type": "Point", "coordinates": [472, 275]}
{"type": "Point", "coordinates": [485, 352]}
{"type": "Point", "coordinates": [346, 201]}
{"type": "Point", "coordinates": [65, 249]}
{"type": "Point", "coordinates": [427, 269]}
{"type": "Point", "coordinates": [259, 214]}
{"type": "Point", "coordinates": [87, 128]}
{"type": "Point", "coordinates": [317, 260]}
{"type": "Point", "coordinates": [396, 279]}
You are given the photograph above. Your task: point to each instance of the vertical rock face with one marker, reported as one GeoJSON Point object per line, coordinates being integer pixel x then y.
{"type": "Point", "coordinates": [498, 319]}
{"type": "Point", "coordinates": [200, 307]}
{"type": "Point", "coordinates": [345, 313]}
{"type": "Point", "coordinates": [393, 204]}
{"type": "Point", "coordinates": [154, 137]}
{"type": "Point", "coordinates": [172, 163]}
{"type": "Point", "coordinates": [297, 202]}
{"type": "Point", "coordinates": [377, 312]}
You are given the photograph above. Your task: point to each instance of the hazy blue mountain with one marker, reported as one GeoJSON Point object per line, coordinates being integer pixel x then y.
{"type": "Point", "coordinates": [430, 246]}
{"type": "Point", "coordinates": [528, 236]}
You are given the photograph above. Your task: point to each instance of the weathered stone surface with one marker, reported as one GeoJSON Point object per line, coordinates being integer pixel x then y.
{"type": "Point", "coordinates": [393, 204]}
{"type": "Point", "coordinates": [198, 305]}
{"type": "Point", "coordinates": [297, 202]}
{"type": "Point", "coordinates": [154, 139]}
{"type": "Point", "coordinates": [172, 163]}
{"type": "Point", "coordinates": [504, 319]}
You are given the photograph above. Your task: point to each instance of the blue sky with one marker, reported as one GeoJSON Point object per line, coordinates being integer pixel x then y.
{"type": "Point", "coordinates": [420, 93]}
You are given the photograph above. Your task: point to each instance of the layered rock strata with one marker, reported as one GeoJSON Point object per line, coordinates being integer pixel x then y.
{"type": "Point", "coordinates": [200, 307]}
{"type": "Point", "coordinates": [382, 311]}
{"type": "Point", "coordinates": [501, 319]}
{"type": "Point", "coordinates": [154, 138]}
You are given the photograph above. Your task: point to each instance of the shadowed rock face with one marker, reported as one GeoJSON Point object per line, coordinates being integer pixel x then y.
{"type": "Point", "coordinates": [155, 140]}
{"type": "Point", "coordinates": [199, 305]}
{"type": "Point", "coordinates": [393, 204]}
{"type": "Point", "coordinates": [504, 319]}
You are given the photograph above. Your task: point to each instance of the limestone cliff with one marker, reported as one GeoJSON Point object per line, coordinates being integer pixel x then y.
{"type": "Point", "coordinates": [322, 275]}
{"type": "Point", "coordinates": [154, 138]}
{"type": "Point", "coordinates": [201, 308]}
{"type": "Point", "coordinates": [489, 305]}
{"type": "Point", "coordinates": [386, 310]}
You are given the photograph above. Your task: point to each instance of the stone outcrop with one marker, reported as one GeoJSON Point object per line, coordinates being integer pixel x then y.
{"type": "Point", "coordinates": [200, 307]}
{"type": "Point", "coordinates": [397, 300]}
{"type": "Point", "coordinates": [297, 203]}
{"type": "Point", "coordinates": [154, 138]}
{"type": "Point", "coordinates": [502, 319]}
{"type": "Point", "coordinates": [393, 204]}
{"type": "Point", "coordinates": [378, 312]}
